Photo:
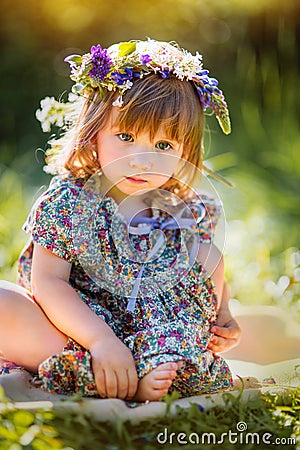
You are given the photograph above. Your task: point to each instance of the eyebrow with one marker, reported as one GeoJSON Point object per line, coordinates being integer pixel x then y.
{"type": "Point", "coordinates": [117, 127]}
{"type": "Point", "coordinates": [163, 135]}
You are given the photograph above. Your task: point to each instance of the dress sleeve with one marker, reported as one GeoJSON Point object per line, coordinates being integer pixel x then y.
{"type": "Point", "coordinates": [50, 219]}
{"type": "Point", "coordinates": [206, 211]}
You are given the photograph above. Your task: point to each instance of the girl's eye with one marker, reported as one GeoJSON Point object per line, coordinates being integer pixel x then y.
{"type": "Point", "coordinates": [125, 137]}
{"type": "Point", "coordinates": [163, 145]}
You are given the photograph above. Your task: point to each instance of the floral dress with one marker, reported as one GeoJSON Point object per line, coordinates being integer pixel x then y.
{"type": "Point", "coordinates": [141, 280]}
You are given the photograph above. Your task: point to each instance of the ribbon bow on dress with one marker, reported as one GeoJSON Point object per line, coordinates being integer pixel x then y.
{"type": "Point", "coordinates": [151, 223]}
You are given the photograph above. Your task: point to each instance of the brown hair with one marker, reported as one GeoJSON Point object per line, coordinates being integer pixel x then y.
{"type": "Point", "coordinates": [151, 102]}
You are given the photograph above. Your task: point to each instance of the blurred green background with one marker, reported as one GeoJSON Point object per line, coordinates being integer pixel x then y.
{"type": "Point", "coordinates": [252, 46]}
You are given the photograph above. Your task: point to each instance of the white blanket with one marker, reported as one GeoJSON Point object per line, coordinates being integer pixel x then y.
{"type": "Point", "coordinates": [267, 358]}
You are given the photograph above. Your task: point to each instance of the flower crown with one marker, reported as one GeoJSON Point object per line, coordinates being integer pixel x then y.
{"type": "Point", "coordinates": [117, 67]}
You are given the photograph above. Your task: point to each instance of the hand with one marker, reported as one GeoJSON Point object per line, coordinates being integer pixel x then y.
{"type": "Point", "coordinates": [226, 331]}
{"type": "Point", "coordinates": [114, 368]}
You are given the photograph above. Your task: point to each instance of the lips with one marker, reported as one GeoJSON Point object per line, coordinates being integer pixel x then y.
{"type": "Point", "coordinates": [136, 180]}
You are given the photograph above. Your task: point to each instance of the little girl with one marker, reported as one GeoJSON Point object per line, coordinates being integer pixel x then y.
{"type": "Point", "coordinates": [121, 291]}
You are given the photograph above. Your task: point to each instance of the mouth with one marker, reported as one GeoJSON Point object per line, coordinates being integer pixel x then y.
{"type": "Point", "coordinates": [136, 180]}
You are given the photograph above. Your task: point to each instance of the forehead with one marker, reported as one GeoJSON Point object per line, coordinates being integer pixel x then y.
{"type": "Point", "coordinates": [118, 123]}
{"type": "Point", "coordinates": [154, 105]}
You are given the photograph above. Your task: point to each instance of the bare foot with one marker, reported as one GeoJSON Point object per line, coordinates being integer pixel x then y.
{"type": "Point", "coordinates": [156, 383]}
{"type": "Point", "coordinates": [246, 383]}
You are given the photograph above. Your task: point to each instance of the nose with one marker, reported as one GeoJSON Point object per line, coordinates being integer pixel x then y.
{"type": "Point", "coordinates": [140, 161]}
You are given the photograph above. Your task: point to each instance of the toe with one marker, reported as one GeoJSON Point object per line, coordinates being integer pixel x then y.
{"type": "Point", "coordinates": [165, 375]}
{"type": "Point", "coordinates": [158, 394]}
{"type": "Point", "coordinates": [179, 364]}
{"type": "Point", "coordinates": [161, 384]}
{"type": "Point", "coordinates": [167, 366]}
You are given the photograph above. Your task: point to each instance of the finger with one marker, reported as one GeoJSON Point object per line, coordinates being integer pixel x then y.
{"type": "Point", "coordinates": [225, 331]}
{"type": "Point", "coordinates": [122, 379]}
{"type": "Point", "coordinates": [220, 341]}
{"type": "Point", "coordinates": [111, 383]}
{"type": "Point", "coordinates": [217, 345]}
{"type": "Point", "coordinates": [217, 349]}
{"type": "Point", "coordinates": [132, 382]}
{"type": "Point", "coordinates": [100, 383]}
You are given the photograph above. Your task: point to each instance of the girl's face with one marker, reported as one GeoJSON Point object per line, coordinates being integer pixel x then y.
{"type": "Point", "coordinates": [132, 162]}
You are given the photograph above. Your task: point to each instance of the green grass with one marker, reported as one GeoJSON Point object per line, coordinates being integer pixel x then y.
{"type": "Point", "coordinates": [272, 416]}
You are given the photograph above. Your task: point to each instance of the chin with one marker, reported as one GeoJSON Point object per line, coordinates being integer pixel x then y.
{"type": "Point", "coordinates": [136, 191]}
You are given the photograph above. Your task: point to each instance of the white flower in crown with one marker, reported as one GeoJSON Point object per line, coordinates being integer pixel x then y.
{"type": "Point", "coordinates": [162, 58]}
{"type": "Point", "coordinates": [188, 67]}
{"type": "Point", "coordinates": [73, 108]}
{"type": "Point", "coordinates": [128, 84]}
{"type": "Point", "coordinates": [118, 67]}
{"type": "Point", "coordinates": [118, 102]}
{"type": "Point", "coordinates": [60, 114]}
{"type": "Point", "coordinates": [50, 113]}
{"type": "Point", "coordinates": [78, 72]}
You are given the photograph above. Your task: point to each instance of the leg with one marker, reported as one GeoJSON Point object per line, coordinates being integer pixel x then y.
{"type": "Point", "coordinates": [178, 341]}
{"type": "Point", "coordinates": [27, 337]}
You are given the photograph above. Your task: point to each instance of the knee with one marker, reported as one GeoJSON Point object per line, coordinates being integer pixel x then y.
{"type": "Point", "coordinates": [5, 300]}
{"type": "Point", "coordinates": [8, 297]}
{"type": "Point", "coordinates": [5, 286]}
{"type": "Point", "coordinates": [4, 291]}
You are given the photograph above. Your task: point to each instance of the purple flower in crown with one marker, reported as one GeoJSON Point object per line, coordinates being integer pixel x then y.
{"type": "Point", "coordinates": [145, 59]}
{"type": "Point", "coordinates": [165, 73]}
{"type": "Point", "coordinates": [101, 63]}
{"type": "Point", "coordinates": [120, 78]}
{"type": "Point", "coordinates": [117, 70]}
{"type": "Point", "coordinates": [208, 91]}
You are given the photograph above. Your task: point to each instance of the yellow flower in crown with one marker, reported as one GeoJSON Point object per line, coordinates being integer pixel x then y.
{"type": "Point", "coordinates": [120, 65]}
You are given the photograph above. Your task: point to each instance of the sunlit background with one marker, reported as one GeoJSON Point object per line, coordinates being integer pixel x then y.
{"type": "Point", "coordinates": [252, 46]}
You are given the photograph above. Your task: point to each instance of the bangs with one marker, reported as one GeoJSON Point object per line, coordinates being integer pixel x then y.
{"type": "Point", "coordinates": [154, 104]}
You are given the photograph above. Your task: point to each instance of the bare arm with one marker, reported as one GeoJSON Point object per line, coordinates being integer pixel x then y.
{"type": "Point", "coordinates": [113, 364]}
{"type": "Point", "coordinates": [226, 330]}
{"type": "Point", "coordinates": [51, 289]}
{"type": "Point", "coordinates": [211, 258]}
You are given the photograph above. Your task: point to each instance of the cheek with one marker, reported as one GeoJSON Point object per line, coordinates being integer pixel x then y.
{"type": "Point", "coordinates": [167, 165]}
{"type": "Point", "coordinates": [111, 165]}
{"type": "Point", "coordinates": [104, 148]}
{"type": "Point", "coordinates": [105, 155]}
{"type": "Point", "coordinates": [102, 158]}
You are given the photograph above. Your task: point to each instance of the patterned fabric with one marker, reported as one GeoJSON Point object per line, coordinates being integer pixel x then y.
{"type": "Point", "coordinates": [173, 314]}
